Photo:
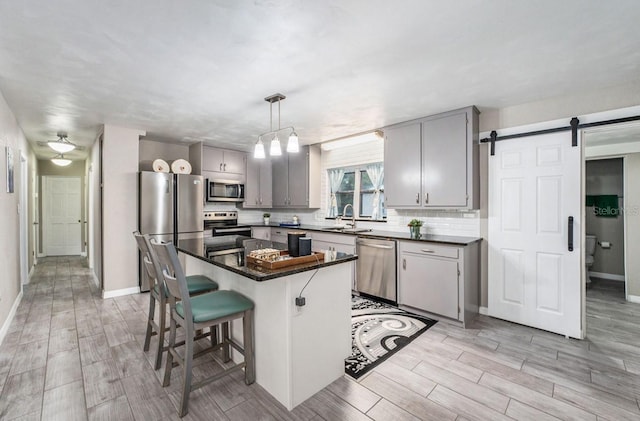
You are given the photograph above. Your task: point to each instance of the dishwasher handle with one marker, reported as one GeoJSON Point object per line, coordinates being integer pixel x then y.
{"type": "Point", "coordinates": [375, 246]}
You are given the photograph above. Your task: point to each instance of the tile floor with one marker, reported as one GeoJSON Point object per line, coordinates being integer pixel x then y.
{"type": "Point", "coordinates": [71, 355]}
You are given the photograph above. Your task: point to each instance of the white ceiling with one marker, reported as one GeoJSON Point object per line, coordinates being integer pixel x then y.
{"type": "Point", "coordinates": [199, 69]}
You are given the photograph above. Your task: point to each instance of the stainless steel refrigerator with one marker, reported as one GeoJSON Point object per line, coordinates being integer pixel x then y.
{"type": "Point", "coordinates": [169, 208]}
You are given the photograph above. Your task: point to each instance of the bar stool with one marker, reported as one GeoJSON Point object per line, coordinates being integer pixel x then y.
{"type": "Point", "coordinates": [206, 310]}
{"type": "Point", "coordinates": [196, 284]}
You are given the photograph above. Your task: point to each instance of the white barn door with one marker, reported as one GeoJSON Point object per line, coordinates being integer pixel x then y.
{"type": "Point", "coordinates": [62, 205]}
{"type": "Point", "coordinates": [534, 191]}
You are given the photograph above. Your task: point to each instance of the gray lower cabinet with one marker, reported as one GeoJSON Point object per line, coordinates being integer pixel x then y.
{"type": "Point", "coordinates": [439, 279]}
{"type": "Point", "coordinates": [261, 233]}
{"type": "Point", "coordinates": [257, 188]}
{"type": "Point", "coordinates": [322, 242]}
{"type": "Point", "coordinates": [433, 162]}
{"type": "Point", "coordinates": [296, 179]}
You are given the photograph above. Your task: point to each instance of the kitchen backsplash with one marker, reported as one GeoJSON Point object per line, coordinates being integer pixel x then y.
{"type": "Point", "coordinates": [459, 223]}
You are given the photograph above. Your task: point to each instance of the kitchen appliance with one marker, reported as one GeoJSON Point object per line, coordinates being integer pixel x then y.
{"type": "Point", "coordinates": [222, 234]}
{"type": "Point", "coordinates": [376, 268]}
{"type": "Point", "coordinates": [169, 208]}
{"type": "Point", "coordinates": [224, 191]}
{"type": "Point", "coordinates": [293, 242]}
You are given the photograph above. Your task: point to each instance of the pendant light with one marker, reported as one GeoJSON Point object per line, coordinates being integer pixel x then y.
{"type": "Point", "coordinates": [275, 148]}
{"type": "Point", "coordinates": [60, 160]}
{"type": "Point", "coordinates": [258, 151]}
{"type": "Point", "coordinates": [62, 145]}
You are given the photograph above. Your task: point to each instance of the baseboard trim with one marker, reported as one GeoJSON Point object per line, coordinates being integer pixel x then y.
{"type": "Point", "coordinates": [633, 299]}
{"type": "Point", "coordinates": [120, 292]}
{"type": "Point", "coordinates": [609, 276]}
{"type": "Point", "coordinates": [10, 316]}
{"type": "Point", "coordinates": [483, 310]}
{"type": "Point", "coordinates": [96, 281]}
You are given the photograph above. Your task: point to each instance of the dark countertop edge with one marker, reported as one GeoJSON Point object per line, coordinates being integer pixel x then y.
{"type": "Point", "coordinates": [394, 235]}
{"type": "Point", "coordinates": [267, 276]}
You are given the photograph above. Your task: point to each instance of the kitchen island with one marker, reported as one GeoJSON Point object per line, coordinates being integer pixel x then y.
{"type": "Point", "coordinates": [299, 350]}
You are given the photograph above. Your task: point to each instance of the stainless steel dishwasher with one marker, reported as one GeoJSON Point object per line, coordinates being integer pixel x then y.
{"type": "Point", "coordinates": [376, 268]}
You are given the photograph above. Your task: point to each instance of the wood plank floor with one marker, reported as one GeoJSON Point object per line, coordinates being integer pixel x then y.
{"type": "Point", "coordinates": [71, 355]}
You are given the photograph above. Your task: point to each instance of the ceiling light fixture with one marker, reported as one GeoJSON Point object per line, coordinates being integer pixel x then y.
{"type": "Point", "coordinates": [60, 160]}
{"type": "Point", "coordinates": [62, 145]}
{"type": "Point", "coordinates": [352, 140]}
{"type": "Point", "coordinates": [275, 149]}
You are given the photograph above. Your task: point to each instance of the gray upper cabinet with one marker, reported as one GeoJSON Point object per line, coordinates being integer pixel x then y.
{"type": "Point", "coordinates": [223, 161]}
{"type": "Point", "coordinates": [257, 188]}
{"type": "Point", "coordinates": [402, 166]}
{"type": "Point", "coordinates": [296, 179]}
{"type": "Point", "coordinates": [433, 162]}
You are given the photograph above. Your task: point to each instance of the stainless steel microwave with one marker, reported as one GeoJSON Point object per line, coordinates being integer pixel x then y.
{"type": "Point", "coordinates": [224, 191]}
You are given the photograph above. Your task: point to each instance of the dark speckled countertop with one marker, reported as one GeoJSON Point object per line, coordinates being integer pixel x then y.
{"type": "Point", "coordinates": [235, 262]}
{"type": "Point", "coordinates": [393, 235]}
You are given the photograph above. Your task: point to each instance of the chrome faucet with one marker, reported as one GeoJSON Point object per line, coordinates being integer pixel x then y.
{"type": "Point", "coordinates": [353, 214]}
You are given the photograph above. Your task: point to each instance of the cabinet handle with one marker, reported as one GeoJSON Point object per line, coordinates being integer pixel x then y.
{"type": "Point", "coordinates": [427, 251]}
{"type": "Point", "coordinates": [256, 200]}
{"type": "Point", "coordinates": [221, 166]}
{"type": "Point", "coordinates": [418, 198]}
{"type": "Point", "coordinates": [224, 167]}
{"type": "Point", "coordinates": [426, 198]}
{"type": "Point", "coordinates": [404, 263]}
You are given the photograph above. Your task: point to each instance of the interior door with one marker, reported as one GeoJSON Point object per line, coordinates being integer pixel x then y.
{"type": "Point", "coordinates": [535, 274]}
{"type": "Point", "coordinates": [62, 214]}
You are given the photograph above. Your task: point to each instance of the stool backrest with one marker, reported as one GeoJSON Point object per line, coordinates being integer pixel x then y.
{"type": "Point", "coordinates": [148, 260]}
{"type": "Point", "coordinates": [172, 274]}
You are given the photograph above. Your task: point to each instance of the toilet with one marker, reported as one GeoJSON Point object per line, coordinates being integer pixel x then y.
{"type": "Point", "coordinates": [590, 249]}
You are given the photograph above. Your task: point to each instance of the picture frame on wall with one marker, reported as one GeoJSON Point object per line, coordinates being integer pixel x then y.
{"type": "Point", "coordinates": [9, 154]}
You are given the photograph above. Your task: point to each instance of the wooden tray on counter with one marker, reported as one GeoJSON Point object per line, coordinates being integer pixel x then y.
{"type": "Point", "coordinates": [279, 264]}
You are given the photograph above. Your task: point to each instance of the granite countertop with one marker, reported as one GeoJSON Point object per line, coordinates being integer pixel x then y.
{"type": "Point", "coordinates": [393, 235]}
{"type": "Point", "coordinates": [235, 262]}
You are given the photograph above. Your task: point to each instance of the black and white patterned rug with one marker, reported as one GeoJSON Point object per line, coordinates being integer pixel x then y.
{"type": "Point", "coordinates": [378, 331]}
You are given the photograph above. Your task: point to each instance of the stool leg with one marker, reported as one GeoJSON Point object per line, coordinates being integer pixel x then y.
{"type": "Point", "coordinates": [152, 310]}
{"type": "Point", "coordinates": [186, 374]}
{"type": "Point", "coordinates": [161, 323]}
{"type": "Point", "coordinates": [169, 363]}
{"type": "Point", "coordinates": [213, 335]}
{"type": "Point", "coordinates": [250, 365]}
{"type": "Point", "coordinates": [225, 342]}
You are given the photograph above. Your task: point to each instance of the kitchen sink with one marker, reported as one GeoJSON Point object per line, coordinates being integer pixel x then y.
{"type": "Point", "coordinates": [347, 230]}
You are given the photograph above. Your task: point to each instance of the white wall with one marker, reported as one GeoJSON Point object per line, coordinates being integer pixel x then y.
{"type": "Point", "coordinates": [11, 135]}
{"type": "Point", "coordinates": [119, 216]}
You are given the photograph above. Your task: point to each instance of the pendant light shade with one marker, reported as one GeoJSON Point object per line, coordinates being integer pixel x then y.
{"type": "Point", "coordinates": [275, 149]}
{"type": "Point", "coordinates": [60, 160]}
{"type": "Point", "coordinates": [292, 144]}
{"type": "Point", "coordinates": [62, 145]}
{"type": "Point", "coordinates": [258, 150]}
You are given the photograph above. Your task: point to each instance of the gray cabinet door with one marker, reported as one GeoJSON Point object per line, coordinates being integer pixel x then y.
{"type": "Point", "coordinates": [234, 162]}
{"type": "Point", "coordinates": [252, 184]}
{"type": "Point", "coordinates": [299, 178]}
{"type": "Point", "coordinates": [402, 166]}
{"type": "Point", "coordinates": [280, 180]}
{"type": "Point", "coordinates": [444, 161]}
{"type": "Point", "coordinates": [212, 159]}
{"type": "Point", "coordinates": [429, 284]}
{"type": "Point", "coordinates": [266, 198]}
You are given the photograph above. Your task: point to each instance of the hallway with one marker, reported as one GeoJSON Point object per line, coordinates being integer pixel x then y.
{"type": "Point", "coordinates": [71, 355]}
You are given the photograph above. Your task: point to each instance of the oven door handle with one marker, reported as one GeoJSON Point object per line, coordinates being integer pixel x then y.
{"type": "Point", "coordinates": [217, 231]}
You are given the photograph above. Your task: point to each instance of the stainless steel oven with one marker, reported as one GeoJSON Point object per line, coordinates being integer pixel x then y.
{"type": "Point", "coordinates": [222, 234]}
{"type": "Point", "coordinates": [224, 191]}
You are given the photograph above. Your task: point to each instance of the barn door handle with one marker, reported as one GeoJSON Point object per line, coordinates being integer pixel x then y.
{"type": "Point", "coordinates": [570, 245]}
